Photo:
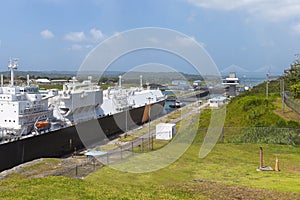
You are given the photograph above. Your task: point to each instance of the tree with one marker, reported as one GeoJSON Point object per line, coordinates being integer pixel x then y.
{"type": "Point", "coordinates": [292, 76]}
{"type": "Point", "coordinates": [295, 89]}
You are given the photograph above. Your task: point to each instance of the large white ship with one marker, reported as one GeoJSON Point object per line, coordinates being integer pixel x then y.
{"type": "Point", "coordinates": [34, 125]}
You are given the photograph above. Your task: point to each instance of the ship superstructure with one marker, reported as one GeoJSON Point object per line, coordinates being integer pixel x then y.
{"type": "Point", "coordinates": [35, 125]}
{"type": "Point", "coordinates": [21, 108]}
{"type": "Point", "coordinates": [232, 81]}
{"type": "Point", "coordinates": [77, 102]}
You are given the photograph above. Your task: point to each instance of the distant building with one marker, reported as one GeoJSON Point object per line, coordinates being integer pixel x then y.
{"type": "Point", "coordinates": [232, 81]}
{"type": "Point", "coordinates": [59, 82]}
{"type": "Point", "coordinates": [43, 81]}
{"type": "Point", "coordinates": [179, 82]}
{"type": "Point", "coordinates": [217, 102]}
{"type": "Point", "coordinates": [180, 85]}
{"type": "Point", "coordinates": [165, 131]}
{"type": "Point", "coordinates": [197, 83]}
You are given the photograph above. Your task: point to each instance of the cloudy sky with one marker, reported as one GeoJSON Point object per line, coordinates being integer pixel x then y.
{"type": "Point", "coordinates": [255, 35]}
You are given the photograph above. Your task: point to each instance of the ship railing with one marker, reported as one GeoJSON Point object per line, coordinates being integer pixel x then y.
{"type": "Point", "coordinates": [35, 113]}
{"type": "Point", "coordinates": [120, 101]}
{"type": "Point", "coordinates": [11, 134]}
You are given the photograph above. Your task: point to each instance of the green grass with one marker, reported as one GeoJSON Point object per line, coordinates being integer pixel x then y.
{"type": "Point", "coordinates": [228, 167]}
{"type": "Point", "coordinates": [228, 172]}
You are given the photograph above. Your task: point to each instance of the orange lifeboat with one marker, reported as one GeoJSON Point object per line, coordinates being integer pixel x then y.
{"type": "Point", "coordinates": [42, 124]}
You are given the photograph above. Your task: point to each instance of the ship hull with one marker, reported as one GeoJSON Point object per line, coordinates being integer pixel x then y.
{"type": "Point", "coordinates": [65, 141]}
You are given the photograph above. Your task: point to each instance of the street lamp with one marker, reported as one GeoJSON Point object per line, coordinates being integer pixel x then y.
{"type": "Point", "coordinates": [149, 119]}
{"type": "Point", "coordinates": [126, 120]}
{"type": "Point", "coordinates": [267, 85]}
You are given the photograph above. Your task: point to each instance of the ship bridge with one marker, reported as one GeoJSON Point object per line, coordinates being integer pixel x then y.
{"type": "Point", "coordinates": [232, 81]}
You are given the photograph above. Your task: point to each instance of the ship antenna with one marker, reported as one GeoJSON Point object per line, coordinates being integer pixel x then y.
{"type": "Point", "coordinates": [120, 81]}
{"type": "Point", "coordinates": [141, 81]}
{"type": "Point", "coordinates": [12, 65]}
{"type": "Point", "coordinates": [1, 80]}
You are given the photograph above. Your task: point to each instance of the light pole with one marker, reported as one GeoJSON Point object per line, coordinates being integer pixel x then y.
{"type": "Point", "coordinates": [126, 120]}
{"type": "Point", "coordinates": [149, 119]}
{"type": "Point", "coordinates": [267, 85]}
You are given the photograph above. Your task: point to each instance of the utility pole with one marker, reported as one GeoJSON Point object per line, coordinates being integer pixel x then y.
{"type": "Point", "coordinates": [267, 86]}
{"type": "Point", "coordinates": [126, 116]}
{"type": "Point", "coordinates": [282, 95]}
{"type": "Point", "coordinates": [149, 119]}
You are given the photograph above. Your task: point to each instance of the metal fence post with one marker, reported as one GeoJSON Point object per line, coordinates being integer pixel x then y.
{"type": "Point", "coordinates": [152, 141]}
{"type": "Point", "coordinates": [121, 149]}
{"type": "Point", "coordinates": [107, 160]}
{"type": "Point", "coordinates": [223, 135]}
{"type": "Point", "coordinates": [289, 137]}
{"type": "Point", "coordinates": [76, 170]}
{"type": "Point", "coordinates": [132, 148]}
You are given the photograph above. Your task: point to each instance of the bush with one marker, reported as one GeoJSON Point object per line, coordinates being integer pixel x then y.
{"type": "Point", "coordinates": [268, 135]}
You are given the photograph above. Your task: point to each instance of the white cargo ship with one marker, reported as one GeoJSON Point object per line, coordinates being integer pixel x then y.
{"type": "Point", "coordinates": [34, 125]}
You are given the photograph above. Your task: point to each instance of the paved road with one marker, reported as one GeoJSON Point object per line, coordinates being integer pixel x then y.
{"type": "Point", "coordinates": [125, 147]}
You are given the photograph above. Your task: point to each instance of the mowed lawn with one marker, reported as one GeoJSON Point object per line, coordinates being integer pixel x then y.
{"type": "Point", "coordinates": [228, 172]}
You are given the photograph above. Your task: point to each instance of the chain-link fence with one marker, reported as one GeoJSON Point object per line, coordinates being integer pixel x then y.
{"type": "Point", "coordinates": [127, 149]}
{"type": "Point", "coordinates": [269, 135]}
{"type": "Point", "coordinates": [294, 105]}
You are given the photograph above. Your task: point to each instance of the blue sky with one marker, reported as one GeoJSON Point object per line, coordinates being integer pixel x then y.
{"type": "Point", "coordinates": [256, 35]}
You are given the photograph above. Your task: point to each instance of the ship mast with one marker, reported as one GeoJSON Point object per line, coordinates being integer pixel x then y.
{"type": "Point", "coordinates": [141, 81]}
{"type": "Point", "coordinates": [13, 64]}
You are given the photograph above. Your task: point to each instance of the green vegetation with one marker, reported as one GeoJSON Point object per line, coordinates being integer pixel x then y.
{"type": "Point", "coordinates": [228, 168]}
{"type": "Point", "coordinates": [48, 87]}
{"type": "Point", "coordinates": [292, 78]}
{"type": "Point", "coordinates": [228, 172]}
{"type": "Point", "coordinates": [268, 136]}
{"type": "Point", "coordinates": [255, 110]}
{"type": "Point", "coordinates": [295, 89]}
{"type": "Point", "coordinates": [253, 118]}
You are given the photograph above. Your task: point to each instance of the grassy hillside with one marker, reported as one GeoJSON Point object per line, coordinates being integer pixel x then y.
{"type": "Point", "coordinates": [228, 172]}
{"type": "Point", "coordinates": [253, 109]}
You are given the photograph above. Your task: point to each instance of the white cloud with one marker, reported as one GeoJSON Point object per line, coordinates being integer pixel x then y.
{"type": "Point", "coordinates": [97, 35]}
{"type": "Point", "coordinates": [271, 10]}
{"type": "Point", "coordinates": [296, 29]}
{"type": "Point", "coordinates": [46, 34]}
{"type": "Point", "coordinates": [152, 40]}
{"type": "Point", "coordinates": [188, 42]}
{"type": "Point", "coordinates": [78, 47]}
{"type": "Point", "coordinates": [75, 36]}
